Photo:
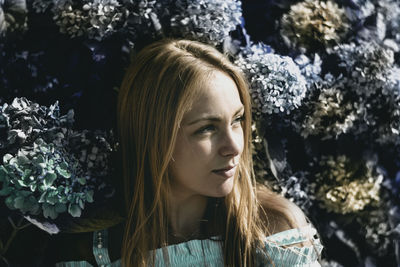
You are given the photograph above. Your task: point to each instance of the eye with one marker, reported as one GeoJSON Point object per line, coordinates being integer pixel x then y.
{"type": "Point", "coordinates": [238, 119]}
{"type": "Point", "coordinates": [205, 129]}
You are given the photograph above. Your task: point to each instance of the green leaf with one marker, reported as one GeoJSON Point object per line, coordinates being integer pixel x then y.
{"type": "Point", "coordinates": [49, 211]}
{"type": "Point", "coordinates": [27, 173]}
{"type": "Point", "coordinates": [63, 172]}
{"type": "Point", "coordinates": [81, 204]}
{"type": "Point", "coordinates": [38, 160]}
{"type": "Point", "coordinates": [35, 210]}
{"type": "Point", "coordinates": [82, 180]}
{"type": "Point", "coordinates": [89, 196]}
{"type": "Point", "coordinates": [19, 202]}
{"type": "Point", "coordinates": [28, 204]}
{"type": "Point", "coordinates": [3, 173]}
{"type": "Point", "coordinates": [21, 183]}
{"type": "Point", "coordinates": [22, 160]}
{"type": "Point", "coordinates": [42, 198]}
{"type": "Point", "coordinates": [60, 208]}
{"type": "Point", "coordinates": [6, 191]}
{"type": "Point", "coordinates": [52, 200]}
{"type": "Point", "coordinates": [10, 202]}
{"type": "Point", "coordinates": [49, 178]}
{"type": "Point", "coordinates": [64, 165]}
{"type": "Point", "coordinates": [74, 210]}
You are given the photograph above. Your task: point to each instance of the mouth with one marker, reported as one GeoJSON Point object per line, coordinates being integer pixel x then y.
{"type": "Point", "coordinates": [226, 172]}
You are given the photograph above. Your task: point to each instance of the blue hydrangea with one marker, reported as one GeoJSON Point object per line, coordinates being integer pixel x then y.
{"type": "Point", "coordinates": [23, 121]}
{"type": "Point", "coordinates": [367, 66]}
{"type": "Point", "coordinates": [206, 21]}
{"type": "Point", "coordinates": [49, 168]}
{"type": "Point", "coordinates": [143, 20]}
{"type": "Point", "coordinates": [384, 111]}
{"type": "Point", "coordinates": [310, 68]}
{"type": "Point", "coordinates": [43, 179]}
{"type": "Point", "coordinates": [276, 83]}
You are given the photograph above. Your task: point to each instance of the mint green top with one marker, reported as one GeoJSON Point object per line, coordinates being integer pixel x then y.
{"type": "Point", "coordinates": [209, 253]}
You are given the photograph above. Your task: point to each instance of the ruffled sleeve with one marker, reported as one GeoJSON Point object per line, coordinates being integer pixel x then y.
{"type": "Point", "coordinates": [283, 248]}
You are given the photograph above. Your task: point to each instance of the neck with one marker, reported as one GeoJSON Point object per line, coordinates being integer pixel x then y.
{"type": "Point", "coordinates": [186, 214]}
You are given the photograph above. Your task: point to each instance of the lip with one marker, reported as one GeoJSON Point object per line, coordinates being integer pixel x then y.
{"type": "Point", "coordinates": [227, 172]}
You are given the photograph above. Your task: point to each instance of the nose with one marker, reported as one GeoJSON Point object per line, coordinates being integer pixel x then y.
{"type": "Point", "coordinates": [231, 143]}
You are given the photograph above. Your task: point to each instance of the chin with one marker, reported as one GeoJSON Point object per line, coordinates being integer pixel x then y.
{"type": "Point", "coordinates": [224, 189]}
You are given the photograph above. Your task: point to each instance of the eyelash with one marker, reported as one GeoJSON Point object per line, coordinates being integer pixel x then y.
{"type": "Point", "coordinates": [211, 127]}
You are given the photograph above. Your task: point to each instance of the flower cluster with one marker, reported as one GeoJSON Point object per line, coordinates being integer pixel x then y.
{"type": "Point", "coordinates": [143, 19]}
{"type": "Point", "coordinates": [384, 111]}
{"type": "Point", "coordinates": [368, 66]}
{"type": "Point", "coordinates": [390, 11]}
{"type": "Point", "coordinates": [277, 85]}
{"type": "Point", "coordinates": [24, 121]}
{"type": "Point", "coordinates": [312, 24]}
{"type": "Point", "coordinates": [41, 6]}
{"type": "Point", "coordinates": [96, 19]}
{"type": "Point", "coordinates": [332, 115]}
{"type": "Point", "coordinates": [206, 21]}
{"type": "Point", "coordinates": [376, 229]}
{"type": "Point", "coordinates": [311, 69]}
{"type": "Point", "coordinates": [43, 179]}
{"type": "Point", "coordinates": [13, 16]}
{"type": "Point", "coordinates": [300, 190]}
{"type": "Point", "coordinates": [49, 168]}
{"type": "Point", "coordinates": [346, 186]}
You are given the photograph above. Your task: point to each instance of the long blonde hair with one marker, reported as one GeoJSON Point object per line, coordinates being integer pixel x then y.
{"type": "Point", "coordinates": [157, 90]}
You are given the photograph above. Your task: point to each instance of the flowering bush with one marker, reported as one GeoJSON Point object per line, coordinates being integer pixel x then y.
{"type": "Point", "coordinates": [276, 83]}
{"type": "Point", "coordinates": [49, 168]}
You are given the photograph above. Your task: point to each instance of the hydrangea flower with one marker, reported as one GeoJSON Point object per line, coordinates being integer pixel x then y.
{"type": "Point", "coordinates": [96, 19]}
{"type": "Point", "coordinates": [332, 115]}
{"type": "Point", "coordinates": [276, 83]}
{"type": "Point", "coordinates": [41, 6]}
{"type": "Point", "coordinates": [390, 11]}
{"type": "Point", "coordinates": [43, 180]}
{"type": "Point", "coordinates": [143, 19]}
{"type": "Point", "coordinates": [346, 186]}
{"type": "Point", "coordinates": [206, 21]}
{"type": "Point", "coordinates": [23, 121]}
{"type": "Point", "coordinates": [376, 229]}
{"type": "Point", "coordinates": [49, 168]}
{"type": "Point", "coordinates": [367, 66]}
{"type": "Point", "coordinates": [13, 16]}
{"type": "Point", "coordinates": [312, 24]}
{"type": "Point", "coordinates": [310, 69]}
{"type": "Point", "coordinates": [385, 112]}
{"type": "Point", "coordinates": [300, 190]}
{"type": "Point", "coordinates": [379, 112]}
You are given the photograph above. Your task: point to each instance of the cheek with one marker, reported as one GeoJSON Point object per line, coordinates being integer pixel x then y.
{"type": "Point", "coordinates": [192, 153]}
{"type": "Point", "coordinates": [189, 154]}
{"type": "Point", "coordinates": [239, 140]}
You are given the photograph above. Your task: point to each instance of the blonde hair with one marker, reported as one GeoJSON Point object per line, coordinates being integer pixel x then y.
{"type": "Point", "coordinates": [156, 91]}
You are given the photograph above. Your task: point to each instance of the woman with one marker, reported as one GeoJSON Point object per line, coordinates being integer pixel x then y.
{"type": "Point", "coordinates": [184, 121]}
{"type": "Point", "coordinates": [185, 128]}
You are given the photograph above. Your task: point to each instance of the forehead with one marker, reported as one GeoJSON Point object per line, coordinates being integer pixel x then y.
{"type": "Point", "coordinates": [219, 95]}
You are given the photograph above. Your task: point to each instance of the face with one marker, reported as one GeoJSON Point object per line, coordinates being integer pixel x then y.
{"type": "Point", "coordinates": [210, 141]}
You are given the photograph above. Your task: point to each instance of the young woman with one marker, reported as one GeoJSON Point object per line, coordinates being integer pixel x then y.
{"type": "Point", "coordinates": [184, 121]}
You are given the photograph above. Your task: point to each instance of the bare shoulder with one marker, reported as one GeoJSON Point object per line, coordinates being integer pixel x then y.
{"type": "Point", "coordinates": [278, 213]}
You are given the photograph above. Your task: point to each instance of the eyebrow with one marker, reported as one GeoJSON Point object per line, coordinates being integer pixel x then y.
{"type": "Point", "coordinates": [214, 118]}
